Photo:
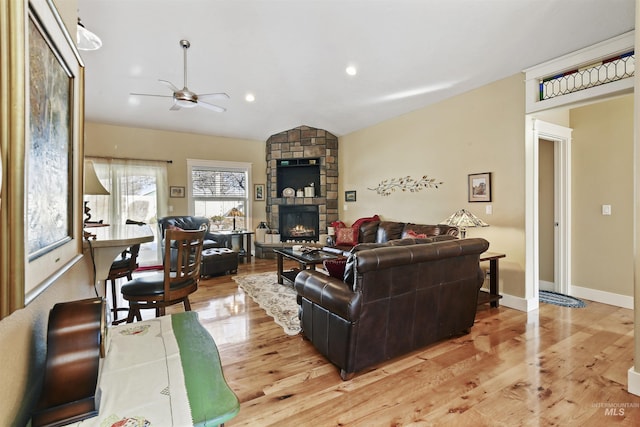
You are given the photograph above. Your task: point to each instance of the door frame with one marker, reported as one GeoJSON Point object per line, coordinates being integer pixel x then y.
{"type": "Point", "coordinates": [561, 136]}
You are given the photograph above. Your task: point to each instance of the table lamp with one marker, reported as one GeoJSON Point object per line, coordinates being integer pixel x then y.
{"type": "Point", "coordinates": [235, 212]}
{"type": "Point", "coordinates": [463, 219]}
{"type": "Point", "coordinates": [92, 186]}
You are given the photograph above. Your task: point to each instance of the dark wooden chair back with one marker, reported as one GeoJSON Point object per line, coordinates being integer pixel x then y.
{"type": "Point", "coordinates": [185, 247]}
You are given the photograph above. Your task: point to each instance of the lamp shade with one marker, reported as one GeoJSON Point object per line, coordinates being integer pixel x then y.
{"type": "Point", "coordinates": [92, 185]}
{"type": "Point", "coordinates": [235, 212]}
{"type": "Point", "coordinates": [463, 219]}
{"type": "Point", "coordinates": [86, 39]}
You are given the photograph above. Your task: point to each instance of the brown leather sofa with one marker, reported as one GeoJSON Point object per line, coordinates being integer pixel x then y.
{"type": "Point", "coordinates": [384, 231]}
{"type": "Point", "coordinates": [402, 297]}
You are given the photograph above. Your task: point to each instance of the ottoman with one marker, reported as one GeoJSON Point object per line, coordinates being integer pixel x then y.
{"type": "Point", "coordinates": [218, 261]}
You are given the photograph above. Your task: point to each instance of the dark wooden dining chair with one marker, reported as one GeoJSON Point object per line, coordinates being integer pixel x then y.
{"type": "Point", "coordinates": [179, 279]}
{"type": "Point", "coordinates": [123, 266]}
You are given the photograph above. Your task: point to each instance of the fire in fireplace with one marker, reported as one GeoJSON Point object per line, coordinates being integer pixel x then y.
{"type": "Point", "coordinates": [299, 223]}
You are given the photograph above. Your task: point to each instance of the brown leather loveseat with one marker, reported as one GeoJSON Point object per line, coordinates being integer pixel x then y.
{"type": "Point", "coordinates": [401, 298]}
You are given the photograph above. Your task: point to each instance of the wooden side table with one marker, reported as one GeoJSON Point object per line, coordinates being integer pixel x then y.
{"type": "Point", "coordinates": [493, 296]}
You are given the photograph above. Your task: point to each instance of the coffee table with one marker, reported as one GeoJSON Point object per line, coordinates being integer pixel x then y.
{"type": "Point", "coordinates": [305, 260]}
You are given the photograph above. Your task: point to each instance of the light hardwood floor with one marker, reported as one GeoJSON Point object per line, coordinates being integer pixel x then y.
{"type": "Point", "coordinates": [555, 366]}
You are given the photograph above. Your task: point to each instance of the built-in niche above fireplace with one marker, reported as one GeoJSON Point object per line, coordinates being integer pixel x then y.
{"type": "Point", "coordinates": [299, 175]}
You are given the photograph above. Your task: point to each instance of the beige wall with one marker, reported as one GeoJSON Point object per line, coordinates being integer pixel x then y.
{"type": "Point", "coordinates": [129, 142]}
{"type": "Point", "coordinates": [479, 131]}
{"type": "Point", "coordinates": [602, 169]}
{"type": "Point", "coordinates": [23, 343]}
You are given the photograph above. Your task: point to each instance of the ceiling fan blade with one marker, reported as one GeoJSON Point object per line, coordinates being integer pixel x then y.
{"type": "Point", "coordinates": [169, 85]}
{"type": "Point", "coordinates": [175, 107]}
{"type": "Point", "coordinates": [150, 94]}
{"type": "Point", "coordinates": [220, 95]}
{"type": "Point", "coordinates": [211, 107]}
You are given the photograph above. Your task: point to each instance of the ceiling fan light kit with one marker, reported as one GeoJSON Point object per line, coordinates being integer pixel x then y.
{"type": "Point", "coordinates": [184, 98]}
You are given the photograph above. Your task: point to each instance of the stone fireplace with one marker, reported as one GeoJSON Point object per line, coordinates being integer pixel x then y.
{"type": "Point", "coordinates": [302, 177]}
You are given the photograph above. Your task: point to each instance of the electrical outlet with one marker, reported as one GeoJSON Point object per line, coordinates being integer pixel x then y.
{"type": "Point", "coordinates": [606, 209]}
{"type": "Point", "coordinates": [488, 209]}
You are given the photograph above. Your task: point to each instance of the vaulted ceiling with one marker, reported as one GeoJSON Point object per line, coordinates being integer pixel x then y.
{"type": "Point", "coordinates": [292, 55]}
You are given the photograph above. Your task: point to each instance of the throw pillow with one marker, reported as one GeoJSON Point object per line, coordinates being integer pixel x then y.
{"type": "Point", "coordinates": [335, 267]}
{"type": "Point", "coordinates": [346, 236]}
{"type": "Point", "coordinates": [414, 235]}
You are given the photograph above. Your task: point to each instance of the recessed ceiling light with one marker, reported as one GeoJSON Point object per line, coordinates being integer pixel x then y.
{"type": "Point", "coordinates": [351, 70]}
{"type": "Point", "coordinates": [250, 97]}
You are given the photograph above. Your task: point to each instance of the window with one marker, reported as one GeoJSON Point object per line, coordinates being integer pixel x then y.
{"type": "Point", "coordinates": [220, 192]}
{"type": "Point", "coordinates": [138, 191]}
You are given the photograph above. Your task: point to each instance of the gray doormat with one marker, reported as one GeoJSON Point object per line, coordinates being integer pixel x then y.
{"type": "Point", "coordinates": [560, 299]}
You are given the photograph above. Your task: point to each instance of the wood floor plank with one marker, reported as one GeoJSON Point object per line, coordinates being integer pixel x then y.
{"type": "Point", "coordinates": [555, 366]}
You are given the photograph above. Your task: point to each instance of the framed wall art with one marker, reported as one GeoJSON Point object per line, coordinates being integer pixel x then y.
{"type": "Point", "coordinates": [258, 192]}
{"type": "Point", "coordinates": [52, 165]}
{"type": "Point", "coordinates": [176, 192]}
{"type": "Point", "coordinates": [480, 187]}
{"type": "Point", "coordinates": [350, 196]}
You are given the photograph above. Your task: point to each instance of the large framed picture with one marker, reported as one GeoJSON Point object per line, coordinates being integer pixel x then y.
{"type": "Point", "coordinates": [480, 187]}
{"type": "Point", "coordinates": [53, 149]}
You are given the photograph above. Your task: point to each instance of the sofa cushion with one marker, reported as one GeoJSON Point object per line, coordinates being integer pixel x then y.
{"type": "Point", "coordinates": [368, 232]}
{"type": "Point", "coordinates": [358, 223]}
{"type": "Point", "coordinates": [389, 230]}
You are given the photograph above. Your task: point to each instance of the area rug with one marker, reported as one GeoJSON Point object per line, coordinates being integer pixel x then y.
{"type": "Point", "coordinates": [560, 299]}
{"type": "Point", "coordinates": [279, 301]}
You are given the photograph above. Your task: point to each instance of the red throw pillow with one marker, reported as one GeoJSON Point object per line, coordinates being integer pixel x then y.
{"type": "Point", "coordinates": [335, 267]}
{"type": "Point", "coordinates": [347, 236]}
{"type": "Point", "coordinates": [413, 234]}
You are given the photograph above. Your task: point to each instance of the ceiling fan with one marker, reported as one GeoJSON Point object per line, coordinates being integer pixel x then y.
{"type": "Point", "coordinates": [184, 98]}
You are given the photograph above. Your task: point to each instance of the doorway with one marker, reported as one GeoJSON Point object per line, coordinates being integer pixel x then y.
{"type": "Point", "coordinates": [552, 231]}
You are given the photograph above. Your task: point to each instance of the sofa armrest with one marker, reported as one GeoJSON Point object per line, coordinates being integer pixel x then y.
{"type": "Point", "coordinates": [330, 293]}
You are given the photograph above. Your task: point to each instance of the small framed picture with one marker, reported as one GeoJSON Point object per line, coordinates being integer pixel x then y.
{"type": "Point", "coordinates": [176, 191]}
{"type": "Point", "coordinates": [350, 196]}
{"type": "Point", "coordinates": [480, 187]}
{"type": "Point", "coordinates": [258, 192]}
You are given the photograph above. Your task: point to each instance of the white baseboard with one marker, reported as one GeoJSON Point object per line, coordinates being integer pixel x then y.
{"type": "Point", "coordinates": [518, 303]}
{"type": "Point", "coordinates": [546, 286]}
{"type": "Point", "coordinates": [524, 304]}
{"type": "Point", "coordinates": [633, 382]}
{"type": "Point", "coordinates": [603, 297]}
